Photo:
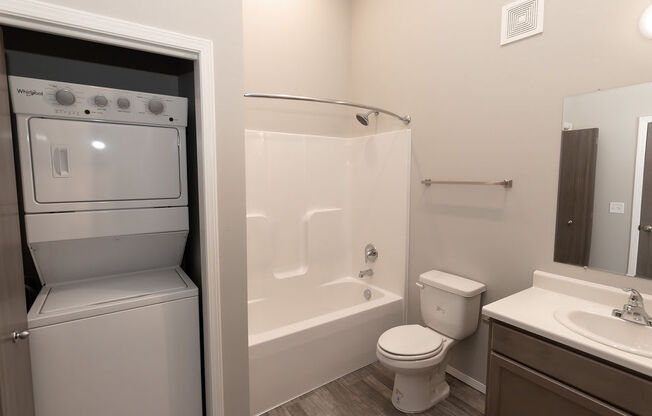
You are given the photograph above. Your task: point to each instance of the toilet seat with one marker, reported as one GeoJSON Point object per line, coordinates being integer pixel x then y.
{"type": "Point", "coordinates": [410, 343]}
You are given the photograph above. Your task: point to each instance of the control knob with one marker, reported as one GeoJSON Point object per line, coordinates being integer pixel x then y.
{"type": "Point", "coordinates": [123, 103]}
{"type": "Point", "coordinates": [155, 106]}
{"type": "Point", "coordinates": [65, 97]}
{"type": "Point", "coordinates": [101, 101]}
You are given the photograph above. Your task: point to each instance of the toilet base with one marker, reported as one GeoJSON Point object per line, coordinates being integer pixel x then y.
{"type": "Point", "coordinates": [414, 393]}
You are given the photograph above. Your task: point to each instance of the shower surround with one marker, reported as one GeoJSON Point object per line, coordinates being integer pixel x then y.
{"type": "Point", "coordinates": [313, 203]}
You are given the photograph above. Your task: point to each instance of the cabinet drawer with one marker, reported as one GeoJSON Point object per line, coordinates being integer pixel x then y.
{"type": "Point", "coordinates": [612, 385]}
{"type": "Point", "coordinates": [515, 390]}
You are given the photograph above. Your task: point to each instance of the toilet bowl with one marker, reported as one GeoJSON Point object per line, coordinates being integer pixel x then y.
{"type": "Point", "coordinates": [418, 355]}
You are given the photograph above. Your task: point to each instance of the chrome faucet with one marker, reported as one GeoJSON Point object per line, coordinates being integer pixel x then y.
{"type": "Point", "coordinates": [363, 273]}
{"type": "Point", "coordinates": [633, 310]}
{"type": "Point", "coordinates": [370, 253]}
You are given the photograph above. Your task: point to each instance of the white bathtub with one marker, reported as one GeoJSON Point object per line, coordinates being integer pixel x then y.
{"type": "Point", "coordinates": [304, 338]}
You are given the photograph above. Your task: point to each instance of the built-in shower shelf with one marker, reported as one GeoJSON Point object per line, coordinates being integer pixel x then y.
{"type": "Point", "coordinates": [312, 248]}
{"type": "Point", "coordinates": [309, 214]}
{"type": "Point", "coordinates": [286, 274]}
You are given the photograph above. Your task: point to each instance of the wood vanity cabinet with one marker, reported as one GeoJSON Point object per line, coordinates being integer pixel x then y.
{"type": "Point", "coordinates": [529, 375]}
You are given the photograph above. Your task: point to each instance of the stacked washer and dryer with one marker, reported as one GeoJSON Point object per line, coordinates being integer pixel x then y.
{"type": "Point", "coordinates": [115, 327]}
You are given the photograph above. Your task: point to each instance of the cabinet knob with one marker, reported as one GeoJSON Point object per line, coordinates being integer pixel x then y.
{"type": "Point", "coordinates": [15, 335]}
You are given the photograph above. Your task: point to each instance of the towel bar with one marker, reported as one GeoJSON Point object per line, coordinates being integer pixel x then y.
{"type": "Point", "coordinates": [507, 183]}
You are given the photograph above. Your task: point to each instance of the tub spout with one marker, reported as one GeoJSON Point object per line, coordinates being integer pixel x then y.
{"type": "Point", "coordinates": [363, 273]}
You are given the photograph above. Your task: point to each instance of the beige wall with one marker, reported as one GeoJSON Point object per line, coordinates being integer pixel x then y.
{"type": "Point", "coordinates": [299, 47]}
{"type": "Point", "coordinates": [221, 22]}
{"type": "Point", "coordinates": [487, 112]}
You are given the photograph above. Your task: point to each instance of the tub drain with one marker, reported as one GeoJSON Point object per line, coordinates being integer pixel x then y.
{"type": "Point", "coordinates": [367, 294]}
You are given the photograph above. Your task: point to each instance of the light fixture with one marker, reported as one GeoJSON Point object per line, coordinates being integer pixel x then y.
{"type": "Point", "coordinates": [645, 24]}
{"type": "Point", "coordinates": [98, 144]}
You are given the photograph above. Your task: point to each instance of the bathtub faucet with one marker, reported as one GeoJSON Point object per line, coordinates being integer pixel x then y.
{"type": "Point", "coordinates": [363, 273]}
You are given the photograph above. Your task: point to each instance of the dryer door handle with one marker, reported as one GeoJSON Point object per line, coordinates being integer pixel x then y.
{"type": "Point", "coordinates": [60, 163]}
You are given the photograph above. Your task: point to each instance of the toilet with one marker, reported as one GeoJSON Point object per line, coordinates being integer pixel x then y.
{"type": "Point", "coordinates": [418, 355]}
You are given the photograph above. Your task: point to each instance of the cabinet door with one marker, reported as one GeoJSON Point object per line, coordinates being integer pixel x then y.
{"type": "Point", "coordinates": [515, 390]}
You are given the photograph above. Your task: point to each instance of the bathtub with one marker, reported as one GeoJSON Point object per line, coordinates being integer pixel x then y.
{"type": "Point", "coordinates": [307, 336]}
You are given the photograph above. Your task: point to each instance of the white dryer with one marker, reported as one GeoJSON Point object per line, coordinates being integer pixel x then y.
{"type": "Point", "coordinates": [115, 328]}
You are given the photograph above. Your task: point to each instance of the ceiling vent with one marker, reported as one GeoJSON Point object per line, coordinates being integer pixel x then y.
{"type": "Point", "coordinates": [521, 19]}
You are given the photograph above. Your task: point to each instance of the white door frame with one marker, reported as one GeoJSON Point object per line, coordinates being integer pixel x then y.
{"type": "Point", "coordinates": [639, 169]}
{"type": "Point", "coordinates": [43, 17]}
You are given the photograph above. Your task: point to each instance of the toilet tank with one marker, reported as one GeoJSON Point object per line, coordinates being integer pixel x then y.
{"type": "Point", "coordinates": [450, 304]}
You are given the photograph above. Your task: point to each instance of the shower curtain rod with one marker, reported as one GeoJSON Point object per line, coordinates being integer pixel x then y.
{"type": "Point", "coordinates": [405, 119]}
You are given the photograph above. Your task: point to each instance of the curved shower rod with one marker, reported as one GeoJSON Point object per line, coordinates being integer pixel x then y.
{"type": "Point", "coordinates": [405, 119]}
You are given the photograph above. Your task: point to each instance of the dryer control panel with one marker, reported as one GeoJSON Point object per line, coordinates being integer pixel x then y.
{"type": "Point", "coordinates": [67, 100]}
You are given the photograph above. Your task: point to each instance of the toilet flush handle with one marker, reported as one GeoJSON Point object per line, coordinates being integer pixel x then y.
{"type": "Point", "coordinates": [420, 285]}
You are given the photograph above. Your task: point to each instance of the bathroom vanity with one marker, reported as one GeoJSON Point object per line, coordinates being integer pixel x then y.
{"type": "Point", "coordinates": [532, 375]}
{"type": "Point", "coordinates": [540, 366]}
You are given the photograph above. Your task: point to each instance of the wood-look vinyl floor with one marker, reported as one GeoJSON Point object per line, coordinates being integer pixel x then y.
{"type": "Point", "coordinates": [368, 392]}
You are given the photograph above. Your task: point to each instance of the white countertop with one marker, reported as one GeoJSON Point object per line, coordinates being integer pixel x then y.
{"type": "Point", "coordinates": [533, 310]}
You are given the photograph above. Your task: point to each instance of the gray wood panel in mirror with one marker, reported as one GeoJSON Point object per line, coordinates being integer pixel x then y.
{"type": "Point", "coordinates": [605, 185]}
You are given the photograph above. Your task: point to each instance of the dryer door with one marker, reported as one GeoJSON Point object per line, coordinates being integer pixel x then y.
{"type": "Point", "coordinates": [82, 161]}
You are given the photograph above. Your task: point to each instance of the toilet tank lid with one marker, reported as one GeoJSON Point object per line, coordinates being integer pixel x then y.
{"type": "Point", "coordinates": [452, 283]}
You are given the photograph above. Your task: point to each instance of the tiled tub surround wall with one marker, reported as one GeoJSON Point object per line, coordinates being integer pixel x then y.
{"type": "Point", "coordinates": [313, 203]}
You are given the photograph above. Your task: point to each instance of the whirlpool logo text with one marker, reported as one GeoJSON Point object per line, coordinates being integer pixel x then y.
{"type": "Point", "coordinates": [29, 93]}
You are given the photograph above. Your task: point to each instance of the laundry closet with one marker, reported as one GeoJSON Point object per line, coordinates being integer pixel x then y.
{"type": "Point", "coordinates": [105, 155]}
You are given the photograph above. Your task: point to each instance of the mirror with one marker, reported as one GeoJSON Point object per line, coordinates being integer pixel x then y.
{"type": "Point", "coordinates": [604, 205]}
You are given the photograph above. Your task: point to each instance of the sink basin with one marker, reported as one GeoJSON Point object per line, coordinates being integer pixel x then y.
{"type": "Point", "coordinates": [608, 330]}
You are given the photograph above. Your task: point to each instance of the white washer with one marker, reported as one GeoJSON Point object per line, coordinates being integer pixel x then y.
{"type": "Point", "coordinates": [117, 345]}
{"type": "Point", "coordinates": [115, 327]}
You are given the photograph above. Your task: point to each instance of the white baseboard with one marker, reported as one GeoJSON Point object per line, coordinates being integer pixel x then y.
{"type": "Point", "coordinates": [466, 379]}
